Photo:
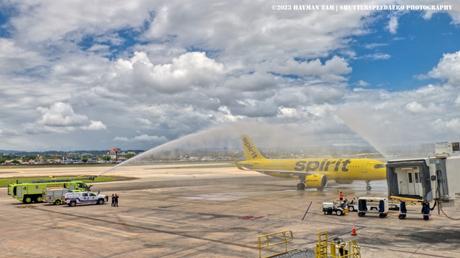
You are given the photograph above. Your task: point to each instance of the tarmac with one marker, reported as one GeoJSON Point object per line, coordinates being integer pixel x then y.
{"type": "Point", "coordinates": [208, 210]}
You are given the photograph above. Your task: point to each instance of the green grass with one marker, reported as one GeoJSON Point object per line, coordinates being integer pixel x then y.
{"type": "Point", "coordinates": [57, 165]}
{"type": "Point", "coordinates": [4, 182]}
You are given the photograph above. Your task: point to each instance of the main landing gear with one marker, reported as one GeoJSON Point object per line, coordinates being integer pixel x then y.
{"type": "Point", "coordinates": [301, 186]}
{"type": "Point", "coordinates": [368, 186]}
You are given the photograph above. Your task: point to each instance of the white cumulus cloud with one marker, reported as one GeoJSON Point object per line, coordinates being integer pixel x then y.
{"type": "Point", "coordinates": [415, 107]}
{"type": "Point", "coordinates": [448, 69]}
{"type": "Point", "coordinates": [95, 125]}
{"type": "Point", "coordinates": [192, 69]}
{"type": "Point", "coordinates": [142, 138]}
{"type": "Point", "coordinates": [67, 77]}
{"type": "Point", "coordinates": [332, 69]}
{"type": "Point", "coordinates": [60, 116]}
{"type": "Point", "coordinates": [393, 24]}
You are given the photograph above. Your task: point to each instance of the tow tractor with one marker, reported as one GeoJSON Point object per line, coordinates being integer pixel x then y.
{"type": "Point", "coordinates": [334, 207]}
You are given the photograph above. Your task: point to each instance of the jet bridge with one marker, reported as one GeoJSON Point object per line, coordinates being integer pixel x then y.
{"type": "Point", "coordinates": [435, 178]}
{"type": "Point", "coordinates": [426, 179]}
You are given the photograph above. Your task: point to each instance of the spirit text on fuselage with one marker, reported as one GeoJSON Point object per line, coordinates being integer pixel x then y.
{"type": "Point", "coordinates": [322, 165]}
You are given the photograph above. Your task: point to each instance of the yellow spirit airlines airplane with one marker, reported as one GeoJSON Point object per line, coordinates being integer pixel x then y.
{"type": "Point", "coordinates": [313, 172]}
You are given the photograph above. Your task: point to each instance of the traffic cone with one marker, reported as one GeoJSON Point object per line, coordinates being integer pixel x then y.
{"type": "Point", "coordinates": [353, 231]}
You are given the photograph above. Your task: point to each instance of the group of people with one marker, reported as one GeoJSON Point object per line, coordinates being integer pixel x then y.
{"type": "Point", "coordinates": [114, 200]}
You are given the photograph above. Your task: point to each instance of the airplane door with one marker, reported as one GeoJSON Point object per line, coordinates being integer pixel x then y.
{"type": "Point", "coordinates": [409, 181]}
{"type": "Point", "coordinates": [403, 181]}
{"type": "Point", "coordinates": [418, 184]}
{"type": "Point", "coordinates": [415, 186]}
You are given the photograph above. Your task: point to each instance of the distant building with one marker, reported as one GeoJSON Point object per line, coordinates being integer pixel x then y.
{"type": "Point", "coordinates": [113, 153]}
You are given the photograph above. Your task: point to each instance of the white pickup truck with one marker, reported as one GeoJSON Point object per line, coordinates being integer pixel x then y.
{"type": "Point", "coordinates": [80, 198]}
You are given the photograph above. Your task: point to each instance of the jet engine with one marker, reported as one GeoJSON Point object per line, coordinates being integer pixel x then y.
{"type": "Point", "coordinates": [316, 181]}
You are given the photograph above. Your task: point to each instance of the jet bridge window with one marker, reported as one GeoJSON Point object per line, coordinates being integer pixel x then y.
{"type": "Point", "coordinates": [379, 166]}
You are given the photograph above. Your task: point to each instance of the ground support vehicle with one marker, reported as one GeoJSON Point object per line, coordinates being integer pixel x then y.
{"type": "Point", "coordinates": [352, 205]}
{"type": "Point", "coordinates": [35, 191]}
{"type": "Point", "coordinates": [332, 207]}
{"type": "Point", "coordinates": [377, 205]}
{"type": "Point", "coordinates": [56, 196]}
{"type": "Point", "coordinates": [81, 198]}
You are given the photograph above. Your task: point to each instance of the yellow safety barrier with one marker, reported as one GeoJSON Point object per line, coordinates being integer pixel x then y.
{"type": "Point", "coordinates": [339, 249]}
{"type": "Point", "coordinates": [269, 241]}
{"type": "Point", "coordinates": [321, 246]}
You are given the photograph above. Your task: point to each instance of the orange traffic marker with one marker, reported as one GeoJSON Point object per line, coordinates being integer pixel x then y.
{"type": "Point", "coordinates": [353, 231]}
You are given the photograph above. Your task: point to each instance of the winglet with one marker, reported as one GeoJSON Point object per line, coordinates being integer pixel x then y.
{"type": "Point", "coordinates": [250, 150]}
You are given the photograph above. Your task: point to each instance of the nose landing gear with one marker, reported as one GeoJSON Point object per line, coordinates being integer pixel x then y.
{"type": "Point", "coordinates": [301, 186]}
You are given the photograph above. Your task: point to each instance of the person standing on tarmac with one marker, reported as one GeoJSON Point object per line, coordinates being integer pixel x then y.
{"type": "Point", "coordinates": [341, 196]}
{"type": "Point", "coordinates": [116, 200]}
{"type": "Point", "coordinates": [113, 200]}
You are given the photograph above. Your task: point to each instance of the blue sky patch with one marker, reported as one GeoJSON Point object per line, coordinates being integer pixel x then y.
{"type": "Point", "coordinates": [414, 49]}
{"type": "Point", "coordinates": [119, 41]}
{"type": "Point", "coordinates": [6, 12]}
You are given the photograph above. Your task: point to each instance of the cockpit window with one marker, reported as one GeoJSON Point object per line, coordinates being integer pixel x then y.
{"type": "Point", "coordinates": [379, 166]}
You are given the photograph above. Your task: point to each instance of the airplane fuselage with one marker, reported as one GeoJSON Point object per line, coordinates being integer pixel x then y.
{"type": "Point", "coordinates": [342, 169]}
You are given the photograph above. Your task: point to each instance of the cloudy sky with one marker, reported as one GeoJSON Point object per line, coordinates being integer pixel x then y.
{"type": "Point", "coordinates": [136, 74]}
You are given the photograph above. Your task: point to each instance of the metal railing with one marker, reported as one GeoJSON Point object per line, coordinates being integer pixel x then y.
{"type": "Point", "coordinates": [267, 243]}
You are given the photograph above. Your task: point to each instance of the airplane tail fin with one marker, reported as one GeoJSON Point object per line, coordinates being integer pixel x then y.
{"type": "Point", "coordinates": [250, 150]}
